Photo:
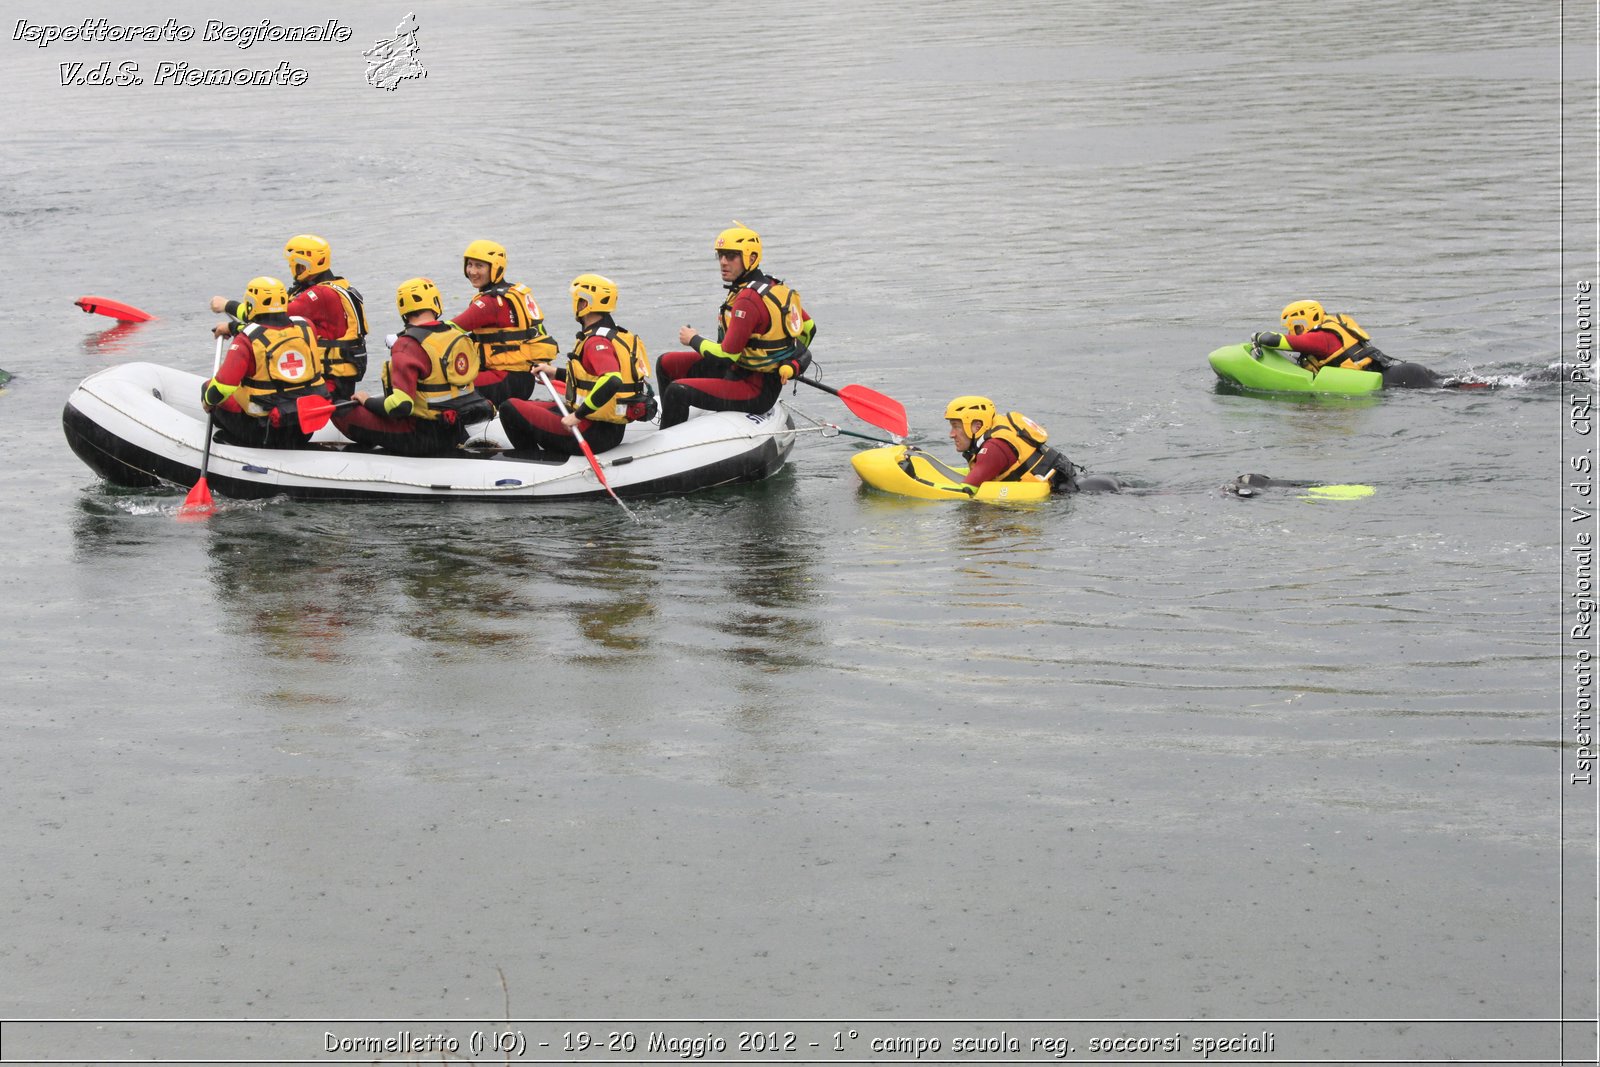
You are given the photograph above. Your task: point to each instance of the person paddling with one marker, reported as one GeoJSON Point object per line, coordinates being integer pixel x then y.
{"type": "Point", "coordinates": [607, 381]}
{"type": "Point", "coordinates": [323, 298]}
{"type": "Point", "coordinates": [1334, 339]}
{"type": "Point", "coordinates": [272, 362]}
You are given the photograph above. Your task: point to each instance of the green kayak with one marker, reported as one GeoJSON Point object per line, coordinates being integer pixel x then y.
{"type": "Point", "coordinates": [1264, 370]}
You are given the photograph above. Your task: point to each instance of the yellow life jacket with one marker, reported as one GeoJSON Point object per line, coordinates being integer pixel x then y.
{"type": "Point", "coordinates": [635, 369]}
{"type": "Point", "coordinates": [1034, 462]}
{"type": "Point", "coordinates": [519, 346]}
{"type": "Point", "coordinates": [763, 352]}
{"type": "Point", "coordinates": [345, 356]}
{"type": "Point", "coordinates": [288, 365]}
{"type": "Point", "coordinates": [1356, 350]}
{"type": "Point", "coordinates": [453, 364]}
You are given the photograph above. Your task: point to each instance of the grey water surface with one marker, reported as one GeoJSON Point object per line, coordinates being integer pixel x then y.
{"type": "Point", "coordinates": [797, 751]}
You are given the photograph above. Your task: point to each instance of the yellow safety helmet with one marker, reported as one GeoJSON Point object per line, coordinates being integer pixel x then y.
{"type": "Point", "coordinates": [307, 254]}
{"type": "Point", "coordinates": [969, 409]}
{"type": "Point", "coordinates": [740, 238]}
{"type": "Point", "coordinates": [418, 294]}
{"type": "Point", "coordinates": [264, 296]}
{"type": "Point", "coordinates": [489, 252]}
{"type": "Point", "coordinates": [593, 292]}
{"type": "Point", "coordinates": [1302, 316]}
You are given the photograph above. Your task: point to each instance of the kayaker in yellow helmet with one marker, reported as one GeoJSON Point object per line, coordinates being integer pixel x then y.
{"type": "Point", "coordinates": [1010, 447]}
{"type": "Point", "coordinates": [1334, 339]}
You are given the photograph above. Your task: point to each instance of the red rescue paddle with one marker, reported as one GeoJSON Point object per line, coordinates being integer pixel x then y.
{"type": "Point", "coordinates": [116, 309]}
{"type": "Point", "coordinates": [884, 412]}
{"type": "Point", "coordinates": [315, 411]}
{"type": "Point", "coordinates": [198, 504]}
{"type": "Point", "coordinates": [587, 451]}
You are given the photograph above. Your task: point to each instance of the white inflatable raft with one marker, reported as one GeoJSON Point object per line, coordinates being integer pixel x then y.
{"type": "Point", "coordinates": [141, 424]}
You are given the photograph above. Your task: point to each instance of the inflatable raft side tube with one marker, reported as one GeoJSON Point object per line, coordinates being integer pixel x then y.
{"type": "Point", "coordinates": [125, 464]}
{"type": "Point", "coordinates": [114, 460]}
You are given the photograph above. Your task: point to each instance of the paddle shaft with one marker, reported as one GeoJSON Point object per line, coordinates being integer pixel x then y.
{"type": "Point", "coordinates": [884, 412]}
{"type": "Point", "coordinates": [583, 444]}
{"type": "Point", "coordinates": [199, 499]}
{"type": "Point", "coordinates": [818, 385]}
{"type": "Point", "coordinates": [211, 418]}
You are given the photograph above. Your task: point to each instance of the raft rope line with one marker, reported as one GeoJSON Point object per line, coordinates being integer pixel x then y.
{"type": "Point", "coordinates": [817, 424]}
{"type": "Point", "coordinates": [578, 472]}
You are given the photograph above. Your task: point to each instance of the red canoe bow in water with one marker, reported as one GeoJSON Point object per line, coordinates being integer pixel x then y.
{"type": "Point", "coordinates": [116, 309]}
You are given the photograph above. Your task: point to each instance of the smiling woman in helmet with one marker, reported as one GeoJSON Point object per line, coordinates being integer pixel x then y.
{"type": "Point", "coordinates": [507, 323]}
{"type": "Point", "coordinates": [763, 340]}
{"type": "Point", "coordinates": [606, 377]}
{"type": "Point", "coordinates": [273, 361]}
{"type": "Point", "coordinates": [1334, 339]}
{"type": "Point", "coordinates": [1011, 448]}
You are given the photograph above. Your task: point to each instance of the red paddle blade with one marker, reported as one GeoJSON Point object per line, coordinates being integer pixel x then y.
{"type": "Point", "coordinates": [313, 412]}
{"type": "Point", "coordinates": [198, 504]}
{"type": "Point", "coordinates": [116, 309]}
{"type": "Point", "coordinates": [882, 411]}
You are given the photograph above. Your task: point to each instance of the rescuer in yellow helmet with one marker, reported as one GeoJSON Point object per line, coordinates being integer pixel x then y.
{"type": "Point", "coordinates": [274, 360]}
{"type": "Point", "coordinates": [428, 395]}
{"type": "Point", "coordinates": [1002, 448]}
{"type": "Point", "coordinates": [1333, 339]}
{"type": "Point", "coordinates": [607, 381]}
{"type": "Point", "coordinates": [1010, 447]}
{"type": "Point", "coordinates": [332, 306]}
{"type": "Point", "coordinates": [507, 323]}
{"type": "Point", "coordinates": [763, 340]}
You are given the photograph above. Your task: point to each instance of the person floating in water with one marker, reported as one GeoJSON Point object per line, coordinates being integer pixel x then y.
{"type": "Point", "coordinates": [1322, 339]}
{"type": "Point", "coordinates": [1249, 485]}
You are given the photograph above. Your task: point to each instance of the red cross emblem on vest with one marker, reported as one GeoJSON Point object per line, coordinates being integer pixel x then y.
{"type": "Point", "coordinates": [292, 365]}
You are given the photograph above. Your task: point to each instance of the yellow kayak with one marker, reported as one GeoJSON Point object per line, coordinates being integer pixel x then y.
{"type": "Point", "coordinates": [908, 471]}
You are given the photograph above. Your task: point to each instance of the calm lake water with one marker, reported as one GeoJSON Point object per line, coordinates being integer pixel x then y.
{"type": "Point", "coordinates": [1117, 767]}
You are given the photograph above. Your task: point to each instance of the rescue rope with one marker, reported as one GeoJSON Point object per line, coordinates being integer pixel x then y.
{"type": "Point", "coordinates": [837, 429]}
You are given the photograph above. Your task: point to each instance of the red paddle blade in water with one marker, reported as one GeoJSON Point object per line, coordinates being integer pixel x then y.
{"type": "Point", "coordinates": [116, 309]}
{"type": "Point", "coordinates": [198, 504]}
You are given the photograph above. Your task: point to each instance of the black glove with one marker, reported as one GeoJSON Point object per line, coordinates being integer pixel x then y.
{"type": "Point", "coordinates": [1267, 340]}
